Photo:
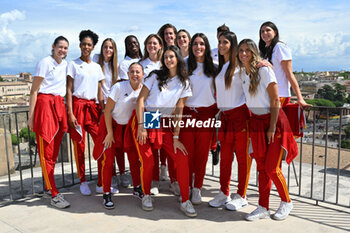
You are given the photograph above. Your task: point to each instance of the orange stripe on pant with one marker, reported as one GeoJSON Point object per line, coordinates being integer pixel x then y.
{"type": "Point", "coordinates": [43, 163]}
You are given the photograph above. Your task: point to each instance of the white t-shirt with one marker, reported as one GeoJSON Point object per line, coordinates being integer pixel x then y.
{"type": "Point", "coordinates": [107, 84]}
{"type": "Point", "coordinates": [124, 67]}
{"type": "Point", "coordinates": [54, 74]}
{"type": "Point", "coordinates": [86, 77]}
{"type": "Point", "coordinates": [125, 101]}
{"type": "Point", "coordinates": [149, 66]}
{"type": "Point", "coordinates": [259, 103]}
{"type": "Point", "coordinates": [215, 56]}
{"type": "Point", "coordinates": [280, 53]}
{"type": "Point", "coordinates": [228, 99]}
{"type": "Point", "coordinates": [203, 94]}
{"type": "Point", "coordinates": [166, 99]}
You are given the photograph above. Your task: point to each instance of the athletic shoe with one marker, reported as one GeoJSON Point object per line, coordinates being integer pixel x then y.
{"type": "Point", "coordinates": [138, 192]}
{"type": "Point", "coordinates": [174, 188]}
{"type": "Point", "coordinates": [236, 203]}
{"type": "Point", "coordinates": [84, 189]}
{"type": "Point", "coordinates": [147, 203]}
{"type": "Point", "coordinates": [283, 211]}
{"type": "Point", "coordinates": [99, 189]}
{"type": "Point", "coordinates": [59, 202]}
{"type": "Point", "coordinates": [219, 200]}
{"type": "Point", "coordinates": [155, 188]}
{"type": "Point", "coordinates": [114, 190]}
{"type": "Point", "coordinates": [124, 180]}
{"type": "Point", "coordinates": [107, 201]}
{"type": "Point", "coordinates": [188, 209]}
{"type": "Point", "coordinates": [216, 154]}
{"type": "Point", "coordinates": [196, 198]}
{"type": "Point", "coordinates": [163, 175]}
{"type": "Point", "coordinates": [259, 213]}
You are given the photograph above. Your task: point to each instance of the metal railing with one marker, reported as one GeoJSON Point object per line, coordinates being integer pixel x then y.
{"type": "Point", "coordinates": [323, 177]}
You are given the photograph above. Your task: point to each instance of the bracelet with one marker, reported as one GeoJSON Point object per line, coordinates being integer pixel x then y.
{"type": "Point", "coordinates": [176, 137]}
{"type": "Point", "coordinates": [140, 123]}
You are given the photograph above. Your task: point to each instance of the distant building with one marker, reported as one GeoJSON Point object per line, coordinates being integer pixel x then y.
{"type": "Point", "coordinates": [27, 77]}
{"type": "Point", "coordinates": [9, 77]}
{"type": "Point", "coordinates": [14, 90]}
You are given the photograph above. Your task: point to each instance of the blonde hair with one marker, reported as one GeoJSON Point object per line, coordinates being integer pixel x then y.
{"type": "Point", "coordinates": [160, 51]}
{"type": "Point", "coordinates": [252, 69]}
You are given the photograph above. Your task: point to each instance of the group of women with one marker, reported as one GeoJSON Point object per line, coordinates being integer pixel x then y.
{"type": "Point", "coordinates": [176, 76]}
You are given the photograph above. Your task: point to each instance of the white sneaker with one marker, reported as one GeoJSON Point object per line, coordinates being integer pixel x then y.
{"type": "Point", "coordinates": [283, 211]}
{"type": "Point", "coordinates": [236, 203]}
{"type": "Point", "coordinates": [196, 198]}
{"type": "Point", "coordinates": [163, 175]}
{"type": "Point", "coordinates": [155, 188]}
{"type": "Point", "coordinates": [174, 188]}
{"type": "Point", "coordinates": [124, 180]}
{"type": "Point", "coordinates": [219, 200]}
{"type": "Point", "coordinates": [114, 190]}
{"type": "Point", "coordinates": [46, 194]}
{"type": "Point", "coordinates": [258, 213]}
{"type": "Point", "coordinates": [147, 203]}
{"type": "Point", "coordinates": [99, 189]}
{"type": "Point", "coordinates": [84, 189]}
{"type": "Point", "coordinates": [188, 209]}
{"type": "Point", "coordinates": [59, 201]}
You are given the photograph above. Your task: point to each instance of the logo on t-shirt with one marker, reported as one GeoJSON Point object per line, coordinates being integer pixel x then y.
{"type": "Point", "coordinates": [151, 120]}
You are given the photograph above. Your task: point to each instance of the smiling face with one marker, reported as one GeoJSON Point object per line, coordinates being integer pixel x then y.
{"type": "Point", "coordinates": [135, 74]}
{"type": "Point", "coordinates": [267, 34]}
{"type": "Point", "coordinates": [169, 36]}
{"type": "Point", "coordinates": [86, 46]}
{"type": "Point", "coordinates": [60, 49]}
{"type": "Point", "coordinates": [153, 46]}
{"type": "Point", "coordinates": [198, 49]}
{"type": "Point", "coordinates": [182, 39]}
{"type": "Point", "coordinates": [132, 45]}
{"type": "Point", "coordinates": [224, 46]}
{"type": "Point", "coordinates": [107, 50]}
{"type": "Point", "coordinates": [170, 60]}
{"type": "Point", "coordinates": [245, 55]}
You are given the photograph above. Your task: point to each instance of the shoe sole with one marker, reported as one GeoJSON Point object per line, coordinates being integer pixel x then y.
{"type": "Point", "coordinates": [235, 209]}
{"type": "Point", "coordinates": [196, 203]}
{"type": "Point", "coordinates": [255, 219]}
{"type": "Point", "coordinates": [189, 214]}
{"type": "Point", "coordinates": [60, 207]}
{"type": "Point", "coordinates": [215, 206]}
{"type": "Point", "coordinates": [109, 208]}
{"type": "Point", "coordinates": [279, 219]}
{"type": "Point", "coordinates": [145, 208]}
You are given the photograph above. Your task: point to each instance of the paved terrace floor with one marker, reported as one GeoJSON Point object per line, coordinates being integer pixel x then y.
{"type": "Point", "coordinates": [87, 214]}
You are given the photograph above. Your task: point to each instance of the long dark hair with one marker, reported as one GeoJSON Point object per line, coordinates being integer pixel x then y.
{"type": "Point", "coordinates": [163, 73]}
{"type": "Point", "coordinates": [230, 36]}
{"type": "Point", "coordinates": [162, 29]}
{"type": "Point", "coordinates": [266, 51]}
{"type": "Point", "coordinates": [208, 68]}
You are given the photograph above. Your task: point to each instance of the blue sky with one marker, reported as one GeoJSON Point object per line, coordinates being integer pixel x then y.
{"type": "Point", "coordinates": [318, 32]}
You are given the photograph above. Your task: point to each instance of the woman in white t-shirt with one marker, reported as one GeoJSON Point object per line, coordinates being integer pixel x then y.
{"type": "Point", "coordinates": [132, 54]}
{"type": "Point", "coordinates": [150, 61]}
{"type": "Point", "coordinates": [115, 133]}
{"type": "Point", "coordinates": [47, 113]}
{"type": "Point", "coordinates": [84, 78]}
{"type": "Point", "coordinates": [163, 95]}
{"type": "Point", "coordinates": [280, 56]}
{"type": "Point", "coordinates": [233, 133]}
{"type": "Point", "coordinates": [270, 133]}
{"type": "Point", "coordinates": [183, 40]}
{"type": "Point", "coordinates": [201, 106]}
{"type": "Point", "coordinates": [109, 64]}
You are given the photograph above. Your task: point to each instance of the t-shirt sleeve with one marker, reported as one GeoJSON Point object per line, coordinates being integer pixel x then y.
{"type": "Point", "coordinates": [95, 57]}
{"type": "Point", "coordinates": [186, 92]}
{"type": "Point", "coordinates": [123, 70]}
{"type": "Point", "coordinates": [41, 69]}
{"type": "Point", "coordinates": [150, 81]}
{"type": "Point", "coordinates": [267, 76]}
{"type": "Point", "coordinates": [101, 76]}
{"type": "Point", "coordinates": [71, 70]}
{"type": "Point", "coordinates": [283, 52]}
{"type": "Point", "coordinates": [115, 90]}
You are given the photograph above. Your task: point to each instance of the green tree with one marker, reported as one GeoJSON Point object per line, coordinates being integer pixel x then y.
{"type": "Point", "coordinates": [1, 79]}
{"type": "Point", "coordinates": [14, 139]}
{"type": "Point", "coordinates": [321, 102]}
{"type": "Point", "coordinates": [24, 134]}
{"type": "Point", "coordinates": [347, 131]}
{"type": "Point", "coordinates": [345, 144]}
{"type": "Point", "coordinates": [326, 92]}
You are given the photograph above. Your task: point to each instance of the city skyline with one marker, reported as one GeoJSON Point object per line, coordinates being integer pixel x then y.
{"type": "Point", "coordinates": [314, 30]}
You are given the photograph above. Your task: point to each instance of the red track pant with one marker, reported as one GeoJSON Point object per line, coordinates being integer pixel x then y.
{"type": "Point", "coordinates": [234, 137]}
{"type": "Point", "coordinates": [147, 161]}
{"type": "Point", "coordinates": [48, 153]}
